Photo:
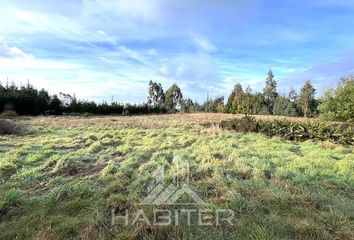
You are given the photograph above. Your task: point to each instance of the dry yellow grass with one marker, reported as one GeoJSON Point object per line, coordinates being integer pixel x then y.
{"type": "Point", "coordinates": [147, 121]}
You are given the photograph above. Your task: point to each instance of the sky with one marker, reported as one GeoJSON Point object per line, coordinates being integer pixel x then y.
{"type": "Point", "coordinates": [110, 49]}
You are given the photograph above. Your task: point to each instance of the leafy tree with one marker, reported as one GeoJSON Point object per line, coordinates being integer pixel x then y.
{"type": "Point", "coordinates": [294, 100]}
{"type": "Point", "coordinates": [293, 96]}
{"type": "Point", "coordinates": [284, 107]}
{"type": "Point", "coordinates": [196, 107]}
{"type": "Point", "coordinates": [234, 100]}
{"type": "Point", "coordinates": [245, 102]}
{"type": "Point", "coordinates": [307, 99]}
{"type": "Point", "coordinates": [338, 104]}
{"type": "Point", "coordinates": [270, 91]}
{"type": "Point", "coordinates": [156, 94]}
{"type": "Point", "coordinates": [173, 98]}
{"type": "Point", "coordinates": [214, 105]}
{"type": "Point", "coordinates": [66, 99]}
{"type": "Point", "coordinates": [187, 105]}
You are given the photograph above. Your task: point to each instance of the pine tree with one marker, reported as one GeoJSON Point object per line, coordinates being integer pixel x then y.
{"type": "Point", "coordinates": [294, 100]}
{"type": "Point", "coordinates": [284, 107]}
{"type": "Point", "coordinates": [270, 91]}
{"type": "Point", "coordinates": [307, 99]}
{"type": "Point", "coordinates": [233, 101]}
{"type": "Point", "coordinates": [55, 105]}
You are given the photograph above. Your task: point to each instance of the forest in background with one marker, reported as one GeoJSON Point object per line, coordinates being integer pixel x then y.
{"type": "Point", "coordinates": [334, 104]}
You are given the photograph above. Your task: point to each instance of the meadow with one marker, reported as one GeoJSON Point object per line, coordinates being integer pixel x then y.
{"type": "Point", "coordinates": [61, 178]}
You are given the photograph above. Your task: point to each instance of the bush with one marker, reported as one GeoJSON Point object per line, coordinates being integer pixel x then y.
{"type": "Point", "coordinates": [9, 113]}
{"type": "Point", "coordinates": [245, 124]}
{"type": "Point", "coordinates": [8, 128]}
{"type": "Point", "coordinates": [338, 104]}
{"type": "Point", "coordinates": [338, 133]}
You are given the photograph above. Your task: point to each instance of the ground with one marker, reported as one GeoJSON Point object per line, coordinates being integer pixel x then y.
{"type": "Point", "coordinates": [64, 175]}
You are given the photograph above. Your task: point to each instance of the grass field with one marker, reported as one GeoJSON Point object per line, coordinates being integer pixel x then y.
{"type": "Point", "coordinates": [61, 179]}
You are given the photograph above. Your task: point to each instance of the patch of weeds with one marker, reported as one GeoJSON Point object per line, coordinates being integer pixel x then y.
{"type": "Point", "coordinates": [96, 147]}
{"type": "Point", "coordinates": [9, 128]}
{"type": "Point", "coordinates": [297, 150]}
{"type": "Point", "coordinates": [30, 175]}
{"type": "Point", "coordinates": [68, 165]}
{"type": "Point", "coordinates": [7, 169]}
{"type": "Point", "coordinates": [109, 169]}
{"type": "Point", "coordinates": [12, 198]}
{"type": "Point", "coordinates": [93, 137]}
{"type": "Point", "coordinates": [39, 156]}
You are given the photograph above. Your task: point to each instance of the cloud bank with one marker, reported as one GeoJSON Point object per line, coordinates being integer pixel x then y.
{"type": "Point", "coordinates": [102, 49]}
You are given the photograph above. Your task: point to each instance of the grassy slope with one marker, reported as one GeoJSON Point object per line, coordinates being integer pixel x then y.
{"type": "Point", "coordinates": [61, 180]}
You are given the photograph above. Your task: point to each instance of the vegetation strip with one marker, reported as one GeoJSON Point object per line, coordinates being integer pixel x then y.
{"type": "Point", "coordinates": [290, 130]}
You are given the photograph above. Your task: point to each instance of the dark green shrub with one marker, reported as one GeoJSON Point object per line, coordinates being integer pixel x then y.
{"type": "Point", "coordinates": [338, 104]}
{"type": "Point", "coordinates": [245, 124]}
{"type": "Point", "coordinates": [9, 128]}
{"type": "Point", "coordinates": [299, 131]}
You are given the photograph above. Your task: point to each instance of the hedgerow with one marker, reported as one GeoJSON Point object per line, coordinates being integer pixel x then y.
{"type": "Point", "coordinates": [342, 133]}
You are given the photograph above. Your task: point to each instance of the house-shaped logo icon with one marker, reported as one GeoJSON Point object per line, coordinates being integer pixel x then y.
{"type": "Point", "coordinates": [163, 194]}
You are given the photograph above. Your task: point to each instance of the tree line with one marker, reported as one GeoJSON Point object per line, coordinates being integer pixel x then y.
{"type": "Point", "coordinates": [26, 100]}
{"type": "Point", "coordinates": [271, 102]}
{"type": "Point", "coordinates": [335, 104]}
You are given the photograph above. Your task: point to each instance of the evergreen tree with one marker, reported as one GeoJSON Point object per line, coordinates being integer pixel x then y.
{"type": "Point", "coordinates": [214, 105]}
{"type": "Point", "coordinates": [173, 98]}
{"type": "Point", "coordinates": [234, 100]}
{"type": "Point", "coordinates": [294, 100]}
{"type": "Point", "coordinates": [283, 107]}
{"type": "Point", "coordinates": [258, 106]}
{"type": "Point", "coordinates": [42, 101]}
{"type": "Point", "coordinates": [156, 94]}
{"type": "Point", "coordinates": [270, 91]}
{"type": "Point", "coordinates": [187, 105]}
{"type": "Point", "coordinates": [307, 99]}
{"type": "Point", "coordinates": [293, 97]}
{"type": "Point", "coordinates": [55, 105]}
{"type": "Point", "coordinates": [245, 102]}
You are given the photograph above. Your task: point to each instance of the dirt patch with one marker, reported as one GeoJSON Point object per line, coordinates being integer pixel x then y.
{"type": "Point", "coordinates": [118, 158]}
{"type": "Point", "coordinates": [81, 171]}
{"type": "Point", "coordinates": [90, 171]}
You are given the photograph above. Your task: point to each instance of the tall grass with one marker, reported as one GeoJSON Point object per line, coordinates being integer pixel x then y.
{"type": "Point", "coordinates": [61, 180]}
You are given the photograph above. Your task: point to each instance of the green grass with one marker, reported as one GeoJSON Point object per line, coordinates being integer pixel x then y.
{"type": "Point", "coordinates": [61, 179]}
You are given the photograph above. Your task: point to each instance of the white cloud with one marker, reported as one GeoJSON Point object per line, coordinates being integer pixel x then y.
{"type": "Point", "coordinates": [12, 52]}
{"type": "Point", "coordinates": [133, 55]}
{"type": "Point", "coordinates": [203, 43]}
{"type": "Point", "coordinates": [99, 48]}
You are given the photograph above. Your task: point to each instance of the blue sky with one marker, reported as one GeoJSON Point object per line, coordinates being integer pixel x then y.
{"type": "Point", "coordinates": [103, 48]}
